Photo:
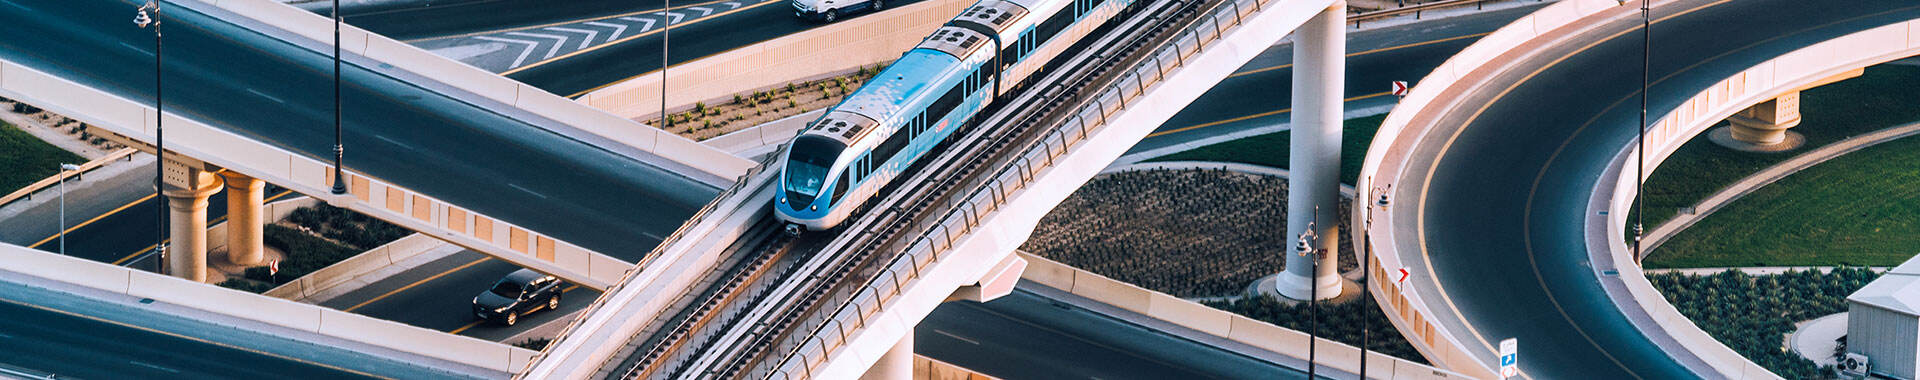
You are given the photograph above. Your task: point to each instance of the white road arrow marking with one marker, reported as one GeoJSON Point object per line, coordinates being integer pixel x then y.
{"type": "Point", "coordinates": [672, 18]}
{"type": "Point", "coordinates": [556, 45]}
{"type": "Point", "coordinates": [703, 11]}
{"type": "Point", "coordinates": [643, 27]}
{"type": "Point", "coordinates": [584, 42]}
{"type": "Point", "coordinates": [732, 5]}
{"type": "Point", "coordinates": [523, 51]}
{"type": "Point", "coordinates": [617, 29]}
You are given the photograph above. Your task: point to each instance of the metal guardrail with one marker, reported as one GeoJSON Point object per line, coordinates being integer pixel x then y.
{"type": "Point", "coordinates": [828, 331]}
{"type": "Point", "coordinates": [27, 192]}
{"type": "Point", "coordinates": [673, 239]}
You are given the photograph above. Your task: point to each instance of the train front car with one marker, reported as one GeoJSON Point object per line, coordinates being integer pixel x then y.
{"type": "Point", "coordinates": [927, 96]}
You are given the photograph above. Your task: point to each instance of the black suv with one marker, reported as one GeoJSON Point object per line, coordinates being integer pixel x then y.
{"type": "Point", "coordinates": [523, 291]}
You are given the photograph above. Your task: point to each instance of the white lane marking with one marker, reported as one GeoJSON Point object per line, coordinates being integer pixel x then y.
{"type": "Point", "coordinates": [556, 45]}
{"type": "Point", "coordinates": [6, 336]}
{"type": "Point", "coordinates": [943, 332]}
{"type": "Point", "coordinates": [703, 11]}
{"type": "Point", "coordinates": [525, 190]}
{"type": "Point", "coordinates": [672, 18]}
{"type": "Point", "coordinates": [643, 27]}
{"type": "Point", "coordinates": [145, 364]}
{"type": "Point", "coordinates": [617, 29]}
{"type": "Point", "coordinates": [523, 51]}
{"type": "Point", "coordinates": [732, 5]}
{"type": "Point", "coordinates": [269, 97]}
{"type": "Point", "coordinates": [10, 2]}
{"type": "Point", "coordinates": [583, 43]}
{"type": "Point", "coordinates": [135, 48]}
{"type": "Point", "coordinates": [391, 141]}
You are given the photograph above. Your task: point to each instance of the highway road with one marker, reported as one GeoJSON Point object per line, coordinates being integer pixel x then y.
{"type": "Point", "coordinates": [77, 337]}
{"type": "Point", "coordinates": [1259, 94]}
{"type": "Point", "coordinates": [1498, 195]}
{"type": "Point", "coordinates": [448, 147]}
{"type": "Point", "coordinates": [1028, 336]}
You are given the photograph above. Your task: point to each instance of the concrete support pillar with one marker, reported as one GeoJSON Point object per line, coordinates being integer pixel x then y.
{"type": "Point", "coordinates": [187, 252]}
{"type": "Point", "coordinates": [897, 364]}
{"type": "Point", "coordinates": [1766, 124]}
{"type": "Point", "coordinates": [1319, 77]}
{"type": "Point", "coordinates": [245, 195]}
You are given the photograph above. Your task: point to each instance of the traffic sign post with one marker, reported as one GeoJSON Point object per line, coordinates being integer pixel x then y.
{"type": "Point", "coordinates": [1509, 358]}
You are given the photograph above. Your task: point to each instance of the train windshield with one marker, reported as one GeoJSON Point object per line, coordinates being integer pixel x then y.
{"type": "Point", "coordinates": [807, 164]}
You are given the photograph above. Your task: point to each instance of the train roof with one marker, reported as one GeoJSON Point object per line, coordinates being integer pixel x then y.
{"type": "Point", "coordinates": [885, 95]}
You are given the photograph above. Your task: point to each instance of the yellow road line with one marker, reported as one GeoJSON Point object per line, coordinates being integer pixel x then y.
{"type": "Point", "coordinates": [457, 331]}
{"type": "Point", "coordinates": [1257, 115]}
{"type": "Point", "coordinates": [150, 247]}
{"type": "Point", "coordinates": [417, 283]}
{"type": "Point", "coordinates": [1356, 54]}
{"type": "Point", "coordinates": [1420, 217]}
{"type": "Point", "coordinates": [633, 37]}
{"type": "Point", "coordinates": [196, 339]}
{"type": "Point", "coordinates": [558, 23]}
{"type": "Point", "coordinates": [95, 219]}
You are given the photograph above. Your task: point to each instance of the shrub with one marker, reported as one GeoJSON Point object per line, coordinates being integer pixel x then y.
{"type": "Point", "coordinates": [1753, 314]}
{"type": "Point", "coordinates": [700, 108]}
{"type": "Point", "coordinates": [535, 344]}
{"type": "Point", "coordinates": [356, 230]}
{"type": "Point", "coordinates": [305, 253]}
{"type": "Point", "coordinates": [246, 285]}
{"type": "Point", "coordinates": [737, 99]}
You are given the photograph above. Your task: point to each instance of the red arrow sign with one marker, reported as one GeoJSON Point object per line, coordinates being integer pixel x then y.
{"type": "Point", "coordinates": [1400, 88]}
{"type": "Point", "coordinates": [1403, 276]}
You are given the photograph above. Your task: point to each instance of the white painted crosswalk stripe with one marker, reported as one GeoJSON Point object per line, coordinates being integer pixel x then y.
{"type": "Point", "coordinates": [617, 29]}
{"type": "Point", "coordinates": [556, 45]}
{"type": "Point", "coordinates": [523, 51]}
{"type": "Point", "coordinates": [643, 27]}
{"type": "Point", "coordinates": [583, 42]}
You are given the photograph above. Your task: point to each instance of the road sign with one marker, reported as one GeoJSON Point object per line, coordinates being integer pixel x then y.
{"type": "Point", "coordinates": [1403, 276]}
{"type": "Point", "coordinates": [1509, 358]}
{"type": "Point", "coordinates": [273, 267]}
{"type": "Point", "coordinates": [1400, 88]}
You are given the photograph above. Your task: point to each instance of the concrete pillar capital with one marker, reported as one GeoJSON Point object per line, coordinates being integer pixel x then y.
{"type": "Point", "coordinates": [1763, 127]}
{"type": "Point", "coordinates": [238, 181]}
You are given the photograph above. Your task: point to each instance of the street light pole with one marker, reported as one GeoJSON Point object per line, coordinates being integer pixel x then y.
{"type": "Point", "coordinates": [64, 167]}
{"type": "Point", "coordinates": [1640, 171]}
{"type": "Point", "coordinates": [144, 19]}
{"type": "Point", "coordinates": [666, 123]}
{"type": "Point", "coordinates": [1305, 247]}
{"type": "Point", "coordinates": [339, 149]}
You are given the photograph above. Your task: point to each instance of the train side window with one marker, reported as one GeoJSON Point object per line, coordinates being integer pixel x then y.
{"type": "Point", "coordinates": [839, 189]}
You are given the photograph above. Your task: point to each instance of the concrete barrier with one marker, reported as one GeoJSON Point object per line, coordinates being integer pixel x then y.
{"type": "Point", "coordinates": [108, 113]}
{"type": "Point", "coordinates": [319, 30]}
{"type": "Point", "coordinates": [1786, 73]}
{"type": "Point", "coordinates": [761, 139]}
{"type": "Point", "coordinates": [832, 49]}
{"type": "Point", "coordinates": [363, 263]}
{"type": "Point", "coordinates": [1410, 311]}
{"type": "Point", "coordinates": [242, 305]}
{"type": "Point", "coordinates": [1218, 322]}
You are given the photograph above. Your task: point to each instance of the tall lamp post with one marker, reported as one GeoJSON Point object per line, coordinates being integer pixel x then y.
{"type": "Point", "coordinates": [64, 169]}
{"type": "Point", "coordinates": [1305, 247]}
{"type": "Point", "coordinates": [149, 15]}
{"type": "Point", "coordinates": [339, 149]}
{"type": "Point", "coordinates": [1640, 171]}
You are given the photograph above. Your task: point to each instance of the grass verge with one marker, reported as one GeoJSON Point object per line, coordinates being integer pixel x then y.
{"type": "Point", "coordinates": [28, 159]}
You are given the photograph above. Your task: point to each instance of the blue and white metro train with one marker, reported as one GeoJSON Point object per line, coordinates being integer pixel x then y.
{"type": "Point", "coordinates": [842, 160]}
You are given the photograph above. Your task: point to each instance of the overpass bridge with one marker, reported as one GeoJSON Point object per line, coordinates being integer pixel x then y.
{"type": "Point", "coordinates": [1512, 173]}
{"type": "Point", "coordinates": [949, 232]}
{"type": "Point", "coordinates": [433, 145]}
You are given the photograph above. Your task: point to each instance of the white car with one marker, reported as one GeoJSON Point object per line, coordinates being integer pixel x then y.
{"type": "Point", "coordinates": [831, 10]}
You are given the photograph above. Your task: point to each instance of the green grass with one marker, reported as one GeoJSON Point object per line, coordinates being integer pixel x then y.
{"type": "Point", "coordinates": [1859, 209]}
{"type": "Point", "coordinates": [27, 159]}
{"type": "Point", "coordinates": [1879, 99]}
{"type": "Point", "coordinates": [1271, 149]}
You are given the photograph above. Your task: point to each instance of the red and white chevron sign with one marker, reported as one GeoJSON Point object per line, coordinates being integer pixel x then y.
{"type": "Point", "coordinates": [1400, 88]}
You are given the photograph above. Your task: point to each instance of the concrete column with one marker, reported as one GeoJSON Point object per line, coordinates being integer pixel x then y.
{"type": "Point", "coordinates": [245, 195]}
{"type": "Point", "coordinates": [187, 252]}
{"type": "Point", "coordinates": [1766, 124]}
{"type": "Point", "coordinates": [1319, 77]}
{"type": "Point", "coordinates": [897, 364]}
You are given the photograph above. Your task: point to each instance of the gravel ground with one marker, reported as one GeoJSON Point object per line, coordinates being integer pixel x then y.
{"type": "Point", "coordinates": [1189, 233]}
